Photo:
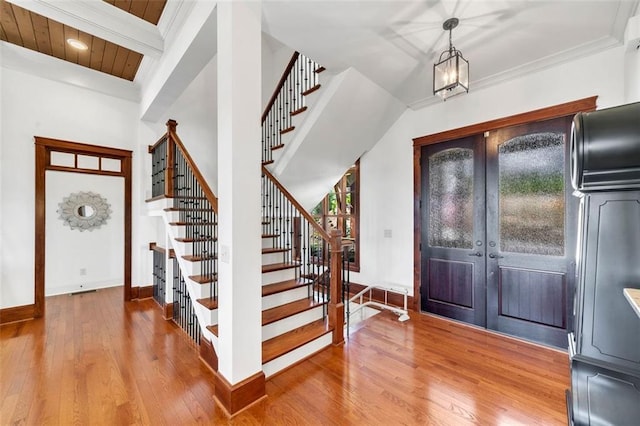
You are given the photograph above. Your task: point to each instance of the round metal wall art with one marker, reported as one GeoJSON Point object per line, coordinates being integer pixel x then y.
{"type": "Point", "coordinates": [84, 211]}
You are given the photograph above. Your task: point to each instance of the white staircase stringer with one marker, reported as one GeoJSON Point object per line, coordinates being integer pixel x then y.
{"type": "Point", "coordinates": [205, 316]}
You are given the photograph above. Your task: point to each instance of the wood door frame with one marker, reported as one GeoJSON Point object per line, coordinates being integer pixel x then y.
{"type": "Point", "coordinates": [556, 111]}
{"type": "Point", "coordinates": [44, 148]}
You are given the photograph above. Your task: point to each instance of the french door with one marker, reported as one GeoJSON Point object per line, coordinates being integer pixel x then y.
{"type": "Point", "coordinates": [498, 230]}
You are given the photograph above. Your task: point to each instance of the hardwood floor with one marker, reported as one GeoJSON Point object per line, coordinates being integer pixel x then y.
{"type": "Point", "coordinates": [97, 360]}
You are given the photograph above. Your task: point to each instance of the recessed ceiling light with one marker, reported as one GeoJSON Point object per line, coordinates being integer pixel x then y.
{"type": "Point", "coordinates": [77, 44]}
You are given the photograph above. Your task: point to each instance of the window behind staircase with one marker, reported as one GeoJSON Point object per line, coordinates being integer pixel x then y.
{"type": "Point", "coordinates": [340, 210]}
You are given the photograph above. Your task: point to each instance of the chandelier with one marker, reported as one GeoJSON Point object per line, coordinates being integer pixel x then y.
{"type": "Point", "coordinates": [451, 72]}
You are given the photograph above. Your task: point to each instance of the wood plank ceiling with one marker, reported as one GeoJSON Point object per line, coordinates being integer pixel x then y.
{"type": "Point", "coordinates": [41, 34]}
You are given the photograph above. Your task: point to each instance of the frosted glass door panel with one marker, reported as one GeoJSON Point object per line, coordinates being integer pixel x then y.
{"type": "Point", "coordinates": [451, 199]}
{"type": "Point", "coordinates": [532, 194]}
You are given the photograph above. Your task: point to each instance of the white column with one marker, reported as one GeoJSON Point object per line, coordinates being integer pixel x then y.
{"type": "Point", "coordinates": [239, 142]}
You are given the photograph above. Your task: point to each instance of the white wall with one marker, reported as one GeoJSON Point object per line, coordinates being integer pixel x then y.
{"type": "Point", "coordinates": [33, 106]}
{"type": "Point", "coordinates": [195, 112]}
{"type": "Point", "coordinates": [632, 75]}
{"type": "Point", "coordinates": [275, 57]}
{"type": "Point", "coordinates": [386, 174]}
{"type": "Point", "coordinates": [75, 260]}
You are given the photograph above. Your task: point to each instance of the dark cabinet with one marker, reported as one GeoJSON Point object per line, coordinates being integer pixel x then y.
{"type": "Point", "coordinates": [604, 346]}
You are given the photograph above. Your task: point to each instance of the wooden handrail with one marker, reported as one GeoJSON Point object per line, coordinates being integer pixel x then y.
{"type": "Point", "coordinates": [287, 70]}
{"type": "Point", "coordinates": [319, 229]}
{"type": "Point", "coordinates": [156, 247]}
{"type": "Point", "coordinates": [158, 142]}
{"type": "Point", "coordinates": [171, 132]}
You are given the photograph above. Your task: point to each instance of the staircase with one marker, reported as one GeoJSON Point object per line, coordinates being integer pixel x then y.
{"type": "Point", "coordinates": [301, 263]}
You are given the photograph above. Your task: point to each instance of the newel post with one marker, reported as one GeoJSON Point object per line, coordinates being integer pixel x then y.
{"type": "Point", "coordinates": [336, 307]}
{"type": "Point", "coordinates": [171, 149]}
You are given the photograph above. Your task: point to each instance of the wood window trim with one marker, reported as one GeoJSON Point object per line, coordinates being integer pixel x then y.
{"type": "Point", "coordinates": [43, 149]}
{"type": "Point", "coordinates": [556, 111]}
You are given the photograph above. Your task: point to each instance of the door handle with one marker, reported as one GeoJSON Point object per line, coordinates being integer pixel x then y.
{"type": "Point", "coordinates": [495, 256]}
{"type": "Point", "coordinates": [478, 254]}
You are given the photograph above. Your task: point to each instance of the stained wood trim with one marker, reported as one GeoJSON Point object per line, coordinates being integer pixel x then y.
{"type": "Point", "coordinates": [556, 111]}
{"type": "Point", "coordinates": [156, 247]}
{"type": "Point", "coordinates": [196, 172]}
{"type": "Point", "coordinates": [235, 398]}
{"type": "Point", "coordinates": [84, 171]}
{"type": "Point", "coordinates": [417, 229]}
{"type": "Point", "coordinates": [561, 110]}
{"type": "Point", "coordinates": [43, 149]}
{"type": "Point", "coordinates": [60, 145]}
{"type": "Point", "coordinates": [17, 313]}
{"type": "Point", "coordinates": [297, 205]}
{"type": "Point", "coordinates": [285, 74]}
{"type": "Point", "coordinates": [145, 292]}
{"type": "Point", "coordinates": [168, 311]}
{"type": "Point", "coordinates": [158, 142]}
{"type": "Point", "coordinates": [378, 295]}
{"type": "Point", "coordinates": [208, 354]}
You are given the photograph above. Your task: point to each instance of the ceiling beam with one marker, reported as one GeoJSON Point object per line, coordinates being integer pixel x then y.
{"type": "Point", "coordinates": [102, 20]}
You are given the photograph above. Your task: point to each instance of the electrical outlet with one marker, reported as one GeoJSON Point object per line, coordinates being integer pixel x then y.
{"type": "Point", "coordinates": [83, 271]}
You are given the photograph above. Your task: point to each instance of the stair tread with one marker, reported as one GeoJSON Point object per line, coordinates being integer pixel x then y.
{"type": "Point", "coordinates": [275, 250]}
{"type": "Point", "coordinates": [282, 286]}
{"type": "Point", "coordinates": [287, 342]}
{"type": "Point", "coordinates": [213, 329]}
{"type": "Point", "coordinates": [311, 90]}
{"type": "Point", "coordinates": [299, 111]}
{"type": "Point", "coordinates": [195, 240]}
{"type": "Point", "coordinates": [270, 235]}
{"type": "Point", "coordinates": [288, 309]}
{"type": "Point", "coordinates": [277, 147]}
{"type": "Point", "coordinates": [204, 279]}
{"type": "Point", "coordinates": [209, 303]}
{"type": "Point", "coordinates": [266, 163]}
{"type": "Point", "coordinates": [279, 266]}
{"type": "Point", "coordinates": [319, 70]}
{"type": "Point", "coordinates": [287, 130]}
{"type": "Point", "coordinates": [197, 258]}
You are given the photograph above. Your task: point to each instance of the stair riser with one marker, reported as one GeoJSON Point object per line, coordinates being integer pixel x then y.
{"type": "Point", "coordinates": [269, 242]}
{"type": "Point", "coordinates": [277, 276]}
{"type": "Point", "coordinates": [269, 258]}
{"type": "Point", "coordinates": [290, 358]}
{"type": "Point", "coordinates": [196, 290]}
{"type": "Point", "coordinates": [290, 323]}
{"type": "Point", "coordinates": [289, 296]}
{"type": "Point", "coordinates": [207, 316]}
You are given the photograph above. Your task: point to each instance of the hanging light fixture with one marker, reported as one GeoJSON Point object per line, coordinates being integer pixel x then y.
{"type": "Point", "coordinates": [451, 72]}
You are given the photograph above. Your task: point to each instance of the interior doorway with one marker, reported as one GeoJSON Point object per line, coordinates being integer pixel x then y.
{"type": "Point", "coordinates": [64, 156]}
{"type": "Point", "coordinates": [499, 230]}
